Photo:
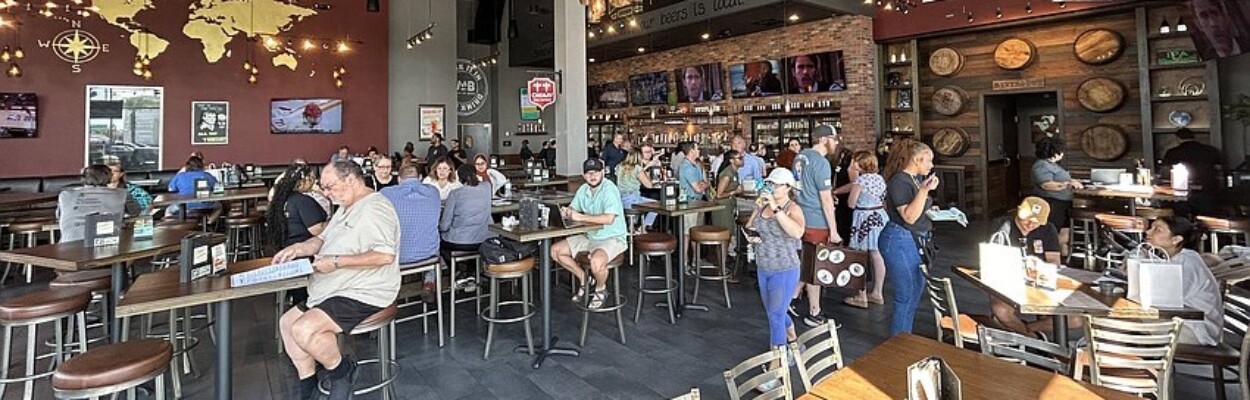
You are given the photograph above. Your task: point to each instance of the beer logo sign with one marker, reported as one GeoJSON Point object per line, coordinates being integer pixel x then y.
{"type": "Point", "coordinates": [76, 47]}
{"type": "Point", "coordinates": [472, 88]}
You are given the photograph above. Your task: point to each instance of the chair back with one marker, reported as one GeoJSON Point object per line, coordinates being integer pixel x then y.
{"type": "Point", "coordinates": [942, 296]}
{"type": "Point", "coordinates": [1014, 347]}
{"type": "Point", "coordinates": [750, 370]}
{"type": "Point", "coordinates": [823, 353]}
{"type": "Point", "coordinates": [1236, 324]}
{"type": "Point", "coordinates": [1130, 356]}
{"type": "Point", "coordinates": [693, 395]}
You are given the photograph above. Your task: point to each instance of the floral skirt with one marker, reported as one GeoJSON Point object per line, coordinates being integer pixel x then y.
{"type": "Point", "coordinates": [866, 226]}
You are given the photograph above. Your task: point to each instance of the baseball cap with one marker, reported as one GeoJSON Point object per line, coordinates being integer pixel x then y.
{"type": "Point", "coordinates": [592, 164]}
{"type": "Point", "coordinates": [824, 130]}
{"type": "Point", "coordinates": [1034, 209]}
{"type": "Point", "coordinates": [781, 176]}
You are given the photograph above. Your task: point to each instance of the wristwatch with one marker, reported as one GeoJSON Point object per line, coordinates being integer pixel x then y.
{"type": "Point", "coordinates": [336, 262]}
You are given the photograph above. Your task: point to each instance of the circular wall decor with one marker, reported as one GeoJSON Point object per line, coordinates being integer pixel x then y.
{"type": "Point", "coordinates": [1014, 53]}
{"type": "Point", "coordinates": [1104, 142]}
{"type": "Point", "coordinates": [946, 61]}
{"type": "Point", "coordinates": [949, 101]}
{"type": "Point", "coordinates": [1098, 46]}
{"type": "Point", "coordinates": [472, 88]}
{"type": "Point", "coordinates": [950, 142]}
{"type": "Point", "coordinates": [1100, 94]}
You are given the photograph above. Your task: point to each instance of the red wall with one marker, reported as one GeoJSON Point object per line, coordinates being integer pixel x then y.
{"type": "Point", "coordinates": [931, 17]}
{"type": "Point", "coordinates": [186, 76]}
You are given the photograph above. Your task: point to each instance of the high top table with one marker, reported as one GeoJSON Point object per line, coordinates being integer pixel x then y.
{"type": "Point", "coordinates": [677, 211]}
{"type": "Point", "coordinates": [11, 201]}
{"type": "Point", "coordinates": [1156, 193]}
{"type": "Point", "coordinates": [244, 194]}
{"type": "Point", "coordinates": [506, 204]}
{"type": "Point", "coordinates": [543, 236]}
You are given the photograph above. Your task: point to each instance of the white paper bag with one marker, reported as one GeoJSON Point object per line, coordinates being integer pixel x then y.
{"type": "Point", "coordinates": [1002, 268]}
{"type": "Point", "coordinates": [1154, 280]}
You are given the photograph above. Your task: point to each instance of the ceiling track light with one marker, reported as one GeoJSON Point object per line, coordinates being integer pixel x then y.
{"type": "Point", "coordinates": [420, 37]}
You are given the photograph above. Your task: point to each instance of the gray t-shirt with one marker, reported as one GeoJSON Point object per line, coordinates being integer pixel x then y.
{"type": "Point", "coordinates": [815, 176]}
{"type": "Point", "coordinates": [368, 225]}
{"type": "Point", "coordinates": [1047, 171]}
{"type": "Point", "coordinates": [74, 204]}
{"type": "Point", "coordinates": [1202, 292]}
{"type": "Point", "coordinates": [466, 215]}
{"type": "Point", "coordinates": [901, 190]}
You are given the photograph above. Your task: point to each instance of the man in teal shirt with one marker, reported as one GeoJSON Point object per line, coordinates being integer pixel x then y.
{"type": "Point", "coordinates": [598, 201]}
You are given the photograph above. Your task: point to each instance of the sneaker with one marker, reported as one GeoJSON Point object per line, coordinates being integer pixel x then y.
{"type": "Point", "coordinates": [341, 388]}
{"type": "Point", "coordinates": [429, 293]}
{"type": "Point", "coordinates": [597, 299]}
{"type": "Point", "coordinates": [468, 285]}
{"type": "Point", "coordinates": [814, 320]}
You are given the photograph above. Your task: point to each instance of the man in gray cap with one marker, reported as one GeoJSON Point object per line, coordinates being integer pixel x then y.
{"type": "Point", "coordinates": [815, 198]}
{"type": "Point", "coordinates": [598, 201]}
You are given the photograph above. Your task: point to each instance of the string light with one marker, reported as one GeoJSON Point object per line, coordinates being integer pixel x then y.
{"type": "Point", "coordinates": [14, 71]}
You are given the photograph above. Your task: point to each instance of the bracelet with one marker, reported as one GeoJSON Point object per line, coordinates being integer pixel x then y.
{"type": "Point", "coordinates": [336, 262]}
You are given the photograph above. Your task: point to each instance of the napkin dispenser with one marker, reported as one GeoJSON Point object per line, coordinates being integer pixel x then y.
{"type": "Point", "coordinates": [200, 257]}
{"type": "Point", "coordinates": [102, 229]}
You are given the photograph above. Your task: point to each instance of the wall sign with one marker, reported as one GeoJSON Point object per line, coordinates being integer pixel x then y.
{"type": "Point", "coordinates": [210, 122]}
{"type": "Point", "coordinates": [529, 110]}
{"type": "Point", "coordinates": [1017, 84]}
{"type": "Point", "coordinates": [472, 88]}
{"type": "Point", "coordinates": [542, 92]}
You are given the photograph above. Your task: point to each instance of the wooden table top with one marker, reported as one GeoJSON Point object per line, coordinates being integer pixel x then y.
{"type": "Point", "coordinates": [882, 375]}
{"type": "Point", "coordinates": [1077, 296]}
{"type": "Point", "coordinates": [161, 290]}
{"type": "Point", "coordinates": [1158, 193]}
{"type": "Point", "coordinates": [550, 182]}
{"type": "Point", "coordinates": [692, 207]}
{"type": "Point", "coordinates": [74, 256]}
{"type": "Point", "coordinates": [169, 199]}
{"type": "Point", "coordinates": [12, 199]}
{"type": "Point", "coordinates": [524, 235]}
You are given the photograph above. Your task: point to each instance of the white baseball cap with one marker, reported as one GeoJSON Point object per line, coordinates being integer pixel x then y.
{"type": "Point", "coordinates": [781, 176]}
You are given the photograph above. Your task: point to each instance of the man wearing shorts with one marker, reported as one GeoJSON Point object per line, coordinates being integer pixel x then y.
{"type": "Point", "coordinates": [356, 274]}
{"type": "Point", "coordinates": [817, 202]}
{"type": "Point", "coordinates": [598, 201]}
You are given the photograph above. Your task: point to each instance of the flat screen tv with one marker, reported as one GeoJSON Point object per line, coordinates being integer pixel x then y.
{"type": "Point", "coordinates": [306, 116]}
{"type": "Point", "coordinates": [607, 95]}
{"type": "Point", "coordinates": [1220, 28]}
{"type": "Point", "coordinates": [18, 115]}
{"type": "Point", "coordinates": [649, 89]}
{"type": "Point", "coordinates": [756, 79]}
{"type": "Point", "coordinates": [818, 72]}
{"type": "Point", "coordinates": [698, 83]}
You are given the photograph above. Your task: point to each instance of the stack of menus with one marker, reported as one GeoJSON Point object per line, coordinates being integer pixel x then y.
{"type": "Point", "coordinates": [932, 379]}
{"type": "Point", "coordinates": [201, 258]}
{"type": "Point", "coordinates": [102, 229]}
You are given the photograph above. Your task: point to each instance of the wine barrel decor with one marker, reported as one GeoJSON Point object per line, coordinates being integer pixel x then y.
{"type": "Point", "coordinates": [946, 61]}
{"type": "Point", "coordinates": [1014, 54]}
{"type": "Point", "coordinates": [1104, 142]}
{"type": "Point", "coordinates": [1098, 46]}
{"type": "Point", "coordinates": [1100, 94]}
{"type": "Point", "coordinates": [950, 142]}
{"type": "Point", "coordinates": [949, 101]}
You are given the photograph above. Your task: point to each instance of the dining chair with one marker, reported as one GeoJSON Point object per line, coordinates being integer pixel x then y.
{"type": "Point", "coordinates": [818, 352]}
{"type": "Point", "coordinates": [1130, 356]}
{"type": "Point", "coordinates": [1115, 236]}
{"type": "Point", "coordinates": [1014, 347]}
{"type": "Point", "coordinates": [748, 369]}
{"type": "Point", "coordinates": [946, 315]}
{"type": "Point", "coordinates": [1225, 356]}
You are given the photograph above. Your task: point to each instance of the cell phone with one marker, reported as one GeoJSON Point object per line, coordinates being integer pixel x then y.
{"type": "Point", "coordinates": [751, 233]}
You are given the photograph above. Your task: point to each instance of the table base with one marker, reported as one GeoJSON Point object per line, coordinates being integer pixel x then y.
{"type": "Point", "coordinates": [550, 349]}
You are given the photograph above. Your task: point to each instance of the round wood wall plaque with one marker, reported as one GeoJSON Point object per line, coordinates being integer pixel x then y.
{"type": "Point", "coordinates": [1098, 46]}
{"type": "Point", "coordinates": [1014, 53]}
{"type": "Point", "coordinates": [949, 101]}
{"type": "Point", "coordinates": [1100, 94]}
{"type": "Point", "coordinates": [946, 61]}
{"type": "Point", "coordinates": [950, 142]}
{"type": "Point", "coordinates": [1104, 142]}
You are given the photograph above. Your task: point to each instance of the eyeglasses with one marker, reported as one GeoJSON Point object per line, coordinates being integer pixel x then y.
{"type": "Point", "coordinates": [382, 166]}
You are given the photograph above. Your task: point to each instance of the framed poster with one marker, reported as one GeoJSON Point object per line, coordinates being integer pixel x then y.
{"type": "Point", "coordinates": [529, 111]}
{"type": "Point", "coordinates": [431, 120]}
{"type": "Point", "coordinates": [210, 122]}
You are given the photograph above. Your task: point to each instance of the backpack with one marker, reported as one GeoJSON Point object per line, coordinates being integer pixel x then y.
{"type": "Point", "coordinates": [499, 250]}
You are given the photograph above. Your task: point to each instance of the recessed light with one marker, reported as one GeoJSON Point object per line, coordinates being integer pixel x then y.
{"type": "Point", "coordinates": [794, 17]}
{"type": "Point", "coordinates": [642, 49]}
{"type": "Point", "coordinates": [591, 60]}
{"type": "Point", "coordinates": [706, 36]}
{"type": "Point", "coordinates": [590, 34]}
{"type": "Point", "coordinates": [633, 23]}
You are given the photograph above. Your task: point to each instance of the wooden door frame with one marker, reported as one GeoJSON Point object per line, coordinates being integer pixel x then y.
{"type": "Point", "coordinates": [983, 161]}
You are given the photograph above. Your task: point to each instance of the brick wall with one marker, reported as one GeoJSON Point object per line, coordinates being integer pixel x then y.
{"type": "Point", "coordinates": [850, 34]}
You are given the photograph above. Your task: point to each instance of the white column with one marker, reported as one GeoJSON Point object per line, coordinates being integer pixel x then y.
{"type": "Point", "coordinates": [570, 126]}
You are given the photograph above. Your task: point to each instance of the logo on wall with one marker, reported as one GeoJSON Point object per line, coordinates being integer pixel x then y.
{"type": "Point", "coordinates": [472, 89]}
{"type": "Point", "coordinates": [75, 46]}
{"type": "Point", "coordinates": [542, 92]}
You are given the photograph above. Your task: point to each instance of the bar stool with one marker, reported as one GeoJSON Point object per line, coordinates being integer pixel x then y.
{"type": "Point", "coordinates": [382, 322]}
{"type": "Point", "coordinates": [1083, 235]}
{"type": "Point", "coordinates": [1133, 227]}
{"type": "Point", "coordinates": [655, 244]}
{"type": "Point", "coordinates": [710, 235]}
{"type": "Point", "coordinates": [28, 230]}
{"type": "Point", "coordinates": [112, 369]}
{"type": "Point", "coordinates": [1151, 213]}
{"type": "Point", "coordinates": [458, 257]}
{"type": "Point", "coordinates": [48, 305]}
{"type": "Point", "coordinates": [242, 234]}
{"type": "Point", "coordinates": [509, 272]}
{"type": "Point", "coordinates": [418, 269]}
{"type": "Point", "coordinates": [98, 282]}
{"type": "Point", "coordinates": [1237, 230]}
{"type": "Point", "coordinates": [633, 218]}
{"type": "Point", "coordinates": [613, 304]}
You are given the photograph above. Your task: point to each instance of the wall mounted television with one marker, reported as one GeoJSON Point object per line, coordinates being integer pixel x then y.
{"type": "Point", "coordinates": [306, 116]}
{"type": "Point", "coordinates": [757, 79]}
{"type": "Point", "coordinates": [649, 89]}
{"type": "Point", "coordinates": [699, 83]}
{"type": "Point", "coordinates": [1220, 28]}
{"type": "Point", "coordinates": [817, 72]}
{"type": "Point", "coordinates": [18, 115]}
{"type": "Point", "coordinates": [607, 95]}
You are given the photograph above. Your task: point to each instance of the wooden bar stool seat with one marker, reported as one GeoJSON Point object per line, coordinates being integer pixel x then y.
{"type": "Point", "coordinates": [1132, 226]}
{"type": "Point", "coordinates": [515, 271]}
{"type": "Point", "coordinates": [650, 245]}
{"type": "Point", "coordinates": [1236, 230]}
{"type": "Point", "coordinates": [655, 242]}
{"type": "Point", "coordinates": [113, 368]}
{"type": "Point", "coordinates": [31, 310]}
{"type": "Point", "coordinates": [28, 229]}
{"type": "Point", "coordinates": [96, 280]}
{"type": "Point", "coordinates": [710, 235]}
{"type": "Point", "coordinates": [43, 304]}
{"type": "Point", "coordinates": [613, 303]}
{"type": "Point", "coordinates": [243, 236]}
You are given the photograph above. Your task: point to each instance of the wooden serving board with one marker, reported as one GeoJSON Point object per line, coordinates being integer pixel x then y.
{"type": "Point", "coordinates": [1100, 94]}
{"type": "Point", "coordinates": [1014, 54]}
{"type": "Point", "coordinates": [1098, 46]}
{"type": "Point", "coordinates": [950, 142]}
{"type": "Point", "coordinates": [1104, 142]}
{"type": "Point", "coordinates": [946, 61]}
{"type": "Point", "coordinates": [949, 101]}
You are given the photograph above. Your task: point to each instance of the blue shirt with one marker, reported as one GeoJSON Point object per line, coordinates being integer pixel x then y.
{"type": "Point", "coordinates": [752, 168]}
{"type": "Point", "coordinates": [612, 155]}
{"type": "Point", "coordinates": [815, 176]}
{"type": "Point", "coordinates": [689, 174]}
{"type": "Point", "coordinates": [184, 184]}
{"type": "Point", "coordinates": [604, 200]}
{"type": "Point", "coordinates": [416, 206]}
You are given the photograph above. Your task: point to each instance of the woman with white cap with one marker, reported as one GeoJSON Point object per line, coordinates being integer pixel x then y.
{"type": "Point", "coordinates": [776, 226]}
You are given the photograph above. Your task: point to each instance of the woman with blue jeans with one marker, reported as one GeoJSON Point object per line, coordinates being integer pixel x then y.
{"type": "Point", "coordinates": [907, 199]}
{"type": "Point", "coordinates": [777, 226]}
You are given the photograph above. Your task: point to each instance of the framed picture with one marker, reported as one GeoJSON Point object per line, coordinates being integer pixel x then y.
{"type": "Point", "coordinates": [431, 120]}
{"type": "Point", "coordinates": [1176, 56]}
{"type": "Point", "coordinates": [1044, 126]}
{"type": "Point", "coordinates": [210, 122]}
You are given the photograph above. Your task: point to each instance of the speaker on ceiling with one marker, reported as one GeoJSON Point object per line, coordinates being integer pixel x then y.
{"type": "Point", "coordinates": [373, 5]}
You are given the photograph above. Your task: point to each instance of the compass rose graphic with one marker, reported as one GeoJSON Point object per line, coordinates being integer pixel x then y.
{"type": "Point", "coordinates": [76, 46]}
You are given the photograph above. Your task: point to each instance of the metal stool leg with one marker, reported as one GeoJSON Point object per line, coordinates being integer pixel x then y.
{"type": "Point", "coordinates": [668, 284]}
{"type": "Point", "coordinates": [724, 261]}
{"type": "Point", "coordinates": [589, 291]}
{"type": "Point", "coordinates": [616, 301]}
{"type": "Point", "coordinates": [698, 272]}
{"type": "Point", "coordinates": [643, 263]}
{"type": "Point", "coordinates": [494, 313]}
{"type": "Point", "coordinates": [4, 357]}
{"type": "Point", "coordinates": [527, 298]}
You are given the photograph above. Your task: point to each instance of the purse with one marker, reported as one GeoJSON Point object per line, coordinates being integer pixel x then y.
{"type": "Point", "coordinates": [842, 267]}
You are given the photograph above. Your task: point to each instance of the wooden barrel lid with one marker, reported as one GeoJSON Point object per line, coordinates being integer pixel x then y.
{"type": "Point", "coordinates": [1100, 94]}
{"type": "Point", "coordinates": [950, 142]}
{"type": "Point", "coordinates": [949, 101]}
{"type": "Point", "coordinates": [946, 61]}
{"type": "Point", "coordinates": [1098, 46]}
{"type": "Point", "coordinates": [1104, 142]}
{"type": "Point", "coordinates": [1014, 53]}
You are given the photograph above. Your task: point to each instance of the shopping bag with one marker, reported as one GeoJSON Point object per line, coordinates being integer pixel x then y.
{"type": "Point", "coordinates": [1153, 279]}
{"type": "Point", "coordinates": [842, 267]}
{"type": "Point", "coordinates": [1002, 267]}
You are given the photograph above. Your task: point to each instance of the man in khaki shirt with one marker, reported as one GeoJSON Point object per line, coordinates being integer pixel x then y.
{"type": "Point", "coordinates": [356, 274]}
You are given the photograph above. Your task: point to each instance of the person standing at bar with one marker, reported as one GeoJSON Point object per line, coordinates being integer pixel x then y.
{"type": "Point", "coordinates": [550, 157]}
{"type": "Point", "coordinates": [436, 151]}
{"type": "Point", "coordinates": [1200, 160]}
{"type": "Point", "coordinates": [1054, 184]}
{"type": "Point", "coordinates": [815, 198]}
{"type": "Point", "coordinates": [458, 155]}
{"type": "Point", "coordinates": [909, 230]}
{"type": "Point", "coordinates": [786, 158]}
{"type": "Point", "coordinates": [526, 153]}
{"type": "Point", "coordinates": [612, 152]}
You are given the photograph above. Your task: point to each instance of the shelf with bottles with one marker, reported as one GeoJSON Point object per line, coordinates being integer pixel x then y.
{"type": "Point", "coordinates": [671, 139]}
{"type": "Point", "coordinates": [614, 118]}
{"type": "Point", "coordinates": [898, 55]}
{"type": "Point", "coordinates": [792, 106]}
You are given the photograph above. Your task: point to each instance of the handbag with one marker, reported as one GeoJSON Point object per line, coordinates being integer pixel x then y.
{"type": "Point", "coordinates": [1154, 280]}
{"type": "Point", "coordinates": [499, 250]}
{"type": "Point", "coordinates": [842, 267]}
{"type": "Point", "coordinates": [1002, 267]}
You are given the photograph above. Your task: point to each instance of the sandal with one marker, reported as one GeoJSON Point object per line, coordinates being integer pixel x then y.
{"type": "Point", "coordinates": [856, 301]}
{"type": "Point", "coordinates": [597, 299]}
{"type": "Point", "coordinates": [577, 298]}
{"type": "Point", "coordinates": [876, 299]}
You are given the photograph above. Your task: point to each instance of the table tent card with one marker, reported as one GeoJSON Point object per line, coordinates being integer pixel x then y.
{"type": "Point", "coordinates": [145, 227]}
{"type": "Point", "coordinates": [1002, 267]}
{"type": "Point", "coordinates": [200, 257]}
{"type": "Point", "coordinates": [1153, 279]}
{"type": "Point", "coordinates": [932, 379]}
{"type": "Point", "coordinates": [102, 229]}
